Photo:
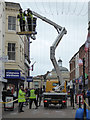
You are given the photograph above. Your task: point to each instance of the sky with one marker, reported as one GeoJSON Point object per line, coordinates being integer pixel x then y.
{"type": "Point", "coordinates": [71, 14]}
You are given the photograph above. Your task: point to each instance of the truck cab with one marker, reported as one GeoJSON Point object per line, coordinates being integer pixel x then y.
{"type": "Point", "coordinates": [53, 97]}
{"type": "Point", "coordinates": [50, 84]}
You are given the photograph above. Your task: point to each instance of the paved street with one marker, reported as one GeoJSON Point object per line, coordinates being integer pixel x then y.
{"type": "Point", "coordinates": [41, 112]}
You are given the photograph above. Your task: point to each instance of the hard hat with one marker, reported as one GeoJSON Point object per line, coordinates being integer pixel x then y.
{"type": "Point", "coordinates": [21, 86]}
{"type": "Point", "coordinates": [28, 9]}
{"type": "Point", "coordinates": [8, 88]}
{"type": "Point", "coordinates": [20, 9]}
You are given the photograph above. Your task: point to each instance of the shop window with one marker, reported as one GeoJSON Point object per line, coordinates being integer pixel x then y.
{"type": "Point", "coordinates": [36, 86]}
{"type": "Point", "coordinates": [11, 51]}
{"type": "Point", "coordinates": [11, 23]}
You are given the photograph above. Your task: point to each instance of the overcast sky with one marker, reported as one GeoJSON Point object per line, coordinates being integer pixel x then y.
{"type": "Point", "coordinates": [73, 15]}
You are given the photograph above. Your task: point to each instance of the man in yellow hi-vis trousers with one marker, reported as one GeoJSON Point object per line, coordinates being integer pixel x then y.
{"type": "Point", "coordinates": [32, 98]}
{"type": "Point", "coordinates": [21, 19]}
{"type": "Point", "coordinates": [21, 99]}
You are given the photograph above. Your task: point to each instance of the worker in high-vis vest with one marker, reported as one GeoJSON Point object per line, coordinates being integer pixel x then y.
{"type": "Point", "coordinates": [32, 98]}
{"type": "Point", "coordinates": [21, 19]}
{"type": "Point", "coordinates": [21, 99]}
{"type": "Point", "coordinates": [29, 17]}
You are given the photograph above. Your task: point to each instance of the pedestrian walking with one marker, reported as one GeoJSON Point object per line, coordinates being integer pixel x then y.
{"type": "Point", "coordinates": [40, 96]}
{"type": "Point", "coordinates": [32, 98]}
{"type": "Point", "coordinates": [71, 96]}
{"type": "Point", "coordinates": [88, 95]}
{"type": "Point", "coordinates": [37, 95]}
{"type": "Point", "coordinates": [21, 99]}
{"type": "Point", "coordinates": [4, 92]}
{"type": "Point", "coordinates": [26, 94]}
{"type": "Point", "coordinates": [21, 19]}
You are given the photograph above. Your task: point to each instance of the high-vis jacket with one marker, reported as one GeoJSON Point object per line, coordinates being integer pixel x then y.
{"type": "Point", "coordinates": [21, 96]}
{"type": "Point", "coordinates": [31, 16]}
{"type": "Point", "coordinates": [21, 16]}
{"type": "Point", "coordinates": [32, 94]}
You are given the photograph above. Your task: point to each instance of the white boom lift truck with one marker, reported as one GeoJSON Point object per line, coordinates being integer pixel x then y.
{"type": "Point", "coordinates": [54, 98]}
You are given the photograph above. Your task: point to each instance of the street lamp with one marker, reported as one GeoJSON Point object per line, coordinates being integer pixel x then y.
{"type": "Point", "coordinates": [29, 57]}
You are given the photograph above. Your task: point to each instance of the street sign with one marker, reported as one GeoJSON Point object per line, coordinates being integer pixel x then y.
{"type": "Point", "coordinates": [82, 99]}
{"type": "Point", "coordinates": [29, 79]}
{"type": "Point", "coordinates": [9, 105]}
{"type": "Point", "coordinates": [4, 58]}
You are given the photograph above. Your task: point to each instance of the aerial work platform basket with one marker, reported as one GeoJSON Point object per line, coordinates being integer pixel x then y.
{"type": "Point", "coordinates": [27, 29]}
{"type": "Point", "coordinates": [26, 33]}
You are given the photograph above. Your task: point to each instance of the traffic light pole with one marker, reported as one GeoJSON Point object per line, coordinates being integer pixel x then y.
{"type": "Point", "coordinates": [84, 86]}
{"type": "Point", "coordinates": [29, 57]}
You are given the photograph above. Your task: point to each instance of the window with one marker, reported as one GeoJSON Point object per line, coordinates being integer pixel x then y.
{"type": "Point", "coordinates": [55, 84]}
{"type": "Point", "coordinates": [11, 51]}
{"type": "Point", "coordinates": [11, 23]}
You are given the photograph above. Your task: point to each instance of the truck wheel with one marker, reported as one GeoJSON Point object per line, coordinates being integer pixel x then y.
{"type": "Point", "coordinates": [65, 105]}
{"type": "Point", "coordinates": [45, 104]}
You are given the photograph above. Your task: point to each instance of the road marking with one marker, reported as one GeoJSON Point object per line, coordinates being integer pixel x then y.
{"type": "Point", "coordinates": [59, 111]}
{"type": "Point", "coordinates": [46, 113]}
{"type": "Point", "coordinates": [14, 113]}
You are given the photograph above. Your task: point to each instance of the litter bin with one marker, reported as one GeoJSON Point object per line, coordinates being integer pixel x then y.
{"type": "Point", "coordinates": [9, 106]}
{"type": "Point", "coordinates": [79, 114]}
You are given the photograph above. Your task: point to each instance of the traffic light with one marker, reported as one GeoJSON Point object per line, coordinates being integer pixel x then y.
{"type": "Point", "coordinates": [32, 67]}
{"type": "Point", "coordinates": [89, 25]}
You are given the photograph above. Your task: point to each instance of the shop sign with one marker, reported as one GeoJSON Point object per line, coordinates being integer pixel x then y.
{"type": "Point", "coordinates": [30, 79]}
{"type": "Point", "coordinates": [9, 105]}
{"type": "Point", "coordinates": [12, 74]}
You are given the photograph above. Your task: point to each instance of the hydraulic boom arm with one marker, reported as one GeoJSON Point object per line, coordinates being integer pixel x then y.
{"type": "Point", "coordinates": [61, 31]}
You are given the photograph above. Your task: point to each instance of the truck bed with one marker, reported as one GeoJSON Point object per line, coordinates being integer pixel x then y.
{"type": "Point", "coordinates": [55, 98]}
{"type": "Point", "coordinates": [54, 93]}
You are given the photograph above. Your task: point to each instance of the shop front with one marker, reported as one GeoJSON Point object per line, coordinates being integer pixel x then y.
{"type": "Point", "coordinates": [14, 81]}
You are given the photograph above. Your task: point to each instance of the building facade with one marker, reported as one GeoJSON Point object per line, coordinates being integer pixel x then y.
{"type": "Point", "coordinates": [16, 69]}
{"type": "Point", "coordinates": [76, 68]}
{"type": "Point", "coordinates": [2, 52]}
{"type": "Point", "coordinates": [88, 44]}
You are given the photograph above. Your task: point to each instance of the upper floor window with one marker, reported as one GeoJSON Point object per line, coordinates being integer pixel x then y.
{"type": "Point", "coordinates": [11, 51]}
{"type": "Point", "coordinates": [11, 23]}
